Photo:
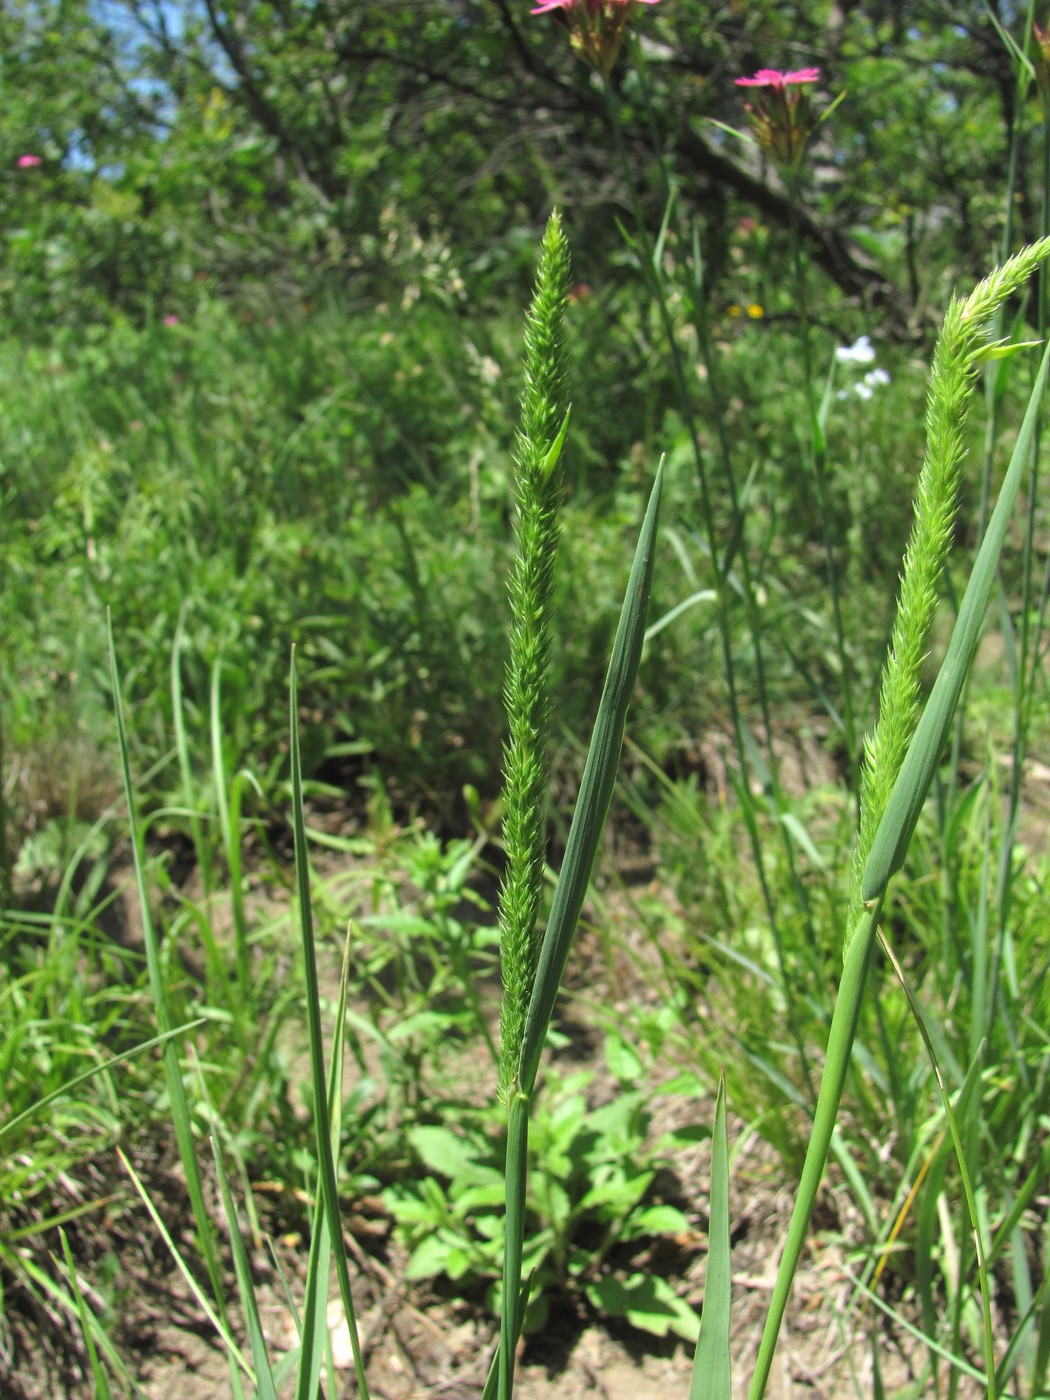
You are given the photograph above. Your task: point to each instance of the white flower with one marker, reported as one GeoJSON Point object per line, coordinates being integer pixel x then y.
{"type": "Point", "coordinates": [861, 352]}
{"type": "Point", "coordinates": [875, 378]}
{"type": "Point", "coordinates": [863, 391]}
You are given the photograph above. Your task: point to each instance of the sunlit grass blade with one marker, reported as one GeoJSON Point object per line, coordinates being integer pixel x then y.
{"type": "Point", "coordinates": [180, 1114]}
{"type": "Point", "coordinates": [64, 1089]}
{"type": "Point", "coordinates": [961, 1156]}
{"type": "Point", "coordinates": [98, 1373]}
{"type": "Point", "coordinates": [229, 809]}
{"type": "Point", "coordinates": [313, 1330]}
{"type": "Point", "coordinates": [712, 1369]}
{"type": "Point", "coordinates": [328, 1196]}
{"type": "Point", "coordinates": [58, 1296]}
{"type": "Point", "coordinates": [202, 848]}
{"type": "Point", "coordinates": [264, 1381]}
{"type": "Point", "coordinates": [220, 1325]}
{"type": "Point", "coordinates": [908, 795]}
{"type": "Point", "coordinates": [596, 789]}
{"type": "Point", "coordinates": [840, 1044]}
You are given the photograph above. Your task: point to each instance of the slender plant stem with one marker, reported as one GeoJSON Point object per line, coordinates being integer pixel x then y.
{"type": "Point", "coordinates": [720, 561]}
{"type": "Point", "coordinates": [818, 450]}
{"type": "Point", "coordinates": [517, 1175]}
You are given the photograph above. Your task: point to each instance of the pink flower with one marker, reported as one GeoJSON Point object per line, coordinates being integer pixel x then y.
{"type": "Point", "coordinates": [28, 162]}
{"type": "Point", "coordinates": [781, 117]}
{"type": "Point", "coordinates": [769, 77]}
{"type": "Point", "coordinates": [593, 5]}
{"type": "Point", "coordinates": [596, 27]}
{"type": "Point", "coordinates": [170, 321]}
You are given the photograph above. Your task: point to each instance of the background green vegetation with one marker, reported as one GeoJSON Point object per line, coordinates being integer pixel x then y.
{"type": "Point", "coordinates": [260, 317]}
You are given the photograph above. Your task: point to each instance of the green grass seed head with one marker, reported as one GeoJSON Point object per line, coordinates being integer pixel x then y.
{"type": "Point", "coordinates": [538, 484]}
{"type": "Point", "coordinates": [960, 351]}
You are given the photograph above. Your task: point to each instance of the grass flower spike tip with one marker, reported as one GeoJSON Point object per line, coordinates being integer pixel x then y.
{"type": "Point", "coordinates": [781, 118]}
{"type": "Point", "coordinates": [596, 27]}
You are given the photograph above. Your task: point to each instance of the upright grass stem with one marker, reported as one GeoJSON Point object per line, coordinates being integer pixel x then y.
{"type": "Point", "coordinates": [900, 764]}
{"type": "Point", "coordinates": [532, 974]}
{"type": "Point", "coordinates": [540, 440]}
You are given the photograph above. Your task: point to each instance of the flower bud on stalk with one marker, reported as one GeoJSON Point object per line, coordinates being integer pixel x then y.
{"type": "Point", "coordinates": [1040, 55]}
{"type": "Point", "coordinates": [782, 117]}
{"type": "Point", "coordinates": [596, 27]}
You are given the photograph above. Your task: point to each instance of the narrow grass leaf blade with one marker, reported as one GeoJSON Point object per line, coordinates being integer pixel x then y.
{"type": "Point", "coordinates": [233, 1350]}
{"type": "Point", "coordinates": [264, 1381]}
{"type": "Point", "coordinates": [313, 1338]}
{"type": "Point", "coordinates": [63, 1089]}
{"type": "Point", "coordinates": [965, 1096]}
{"type": "Point", "coordinates": [920, 763]}
{"type": "Point", "coordinates": [180, 1113]}
{"type": "Point", "coordinates": [712, 1370]}
{"type": "Point", "coordinates": [596, 790]}
{"type": "Point", "coordinates": [328, 1197]}
{"type": "Point", "coordinates": [44, 1280]}
{"type": "Point", "coordinates": [98, 1374]}
{"type": "Point", "coordinates": [840, 1045]}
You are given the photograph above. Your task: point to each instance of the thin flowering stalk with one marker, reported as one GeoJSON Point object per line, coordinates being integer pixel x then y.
{"type": "Point", "coordinates": [722, 559]}
{"type": "Point", "coordinates": [532, 969]}
{"type": "Point", "coordinates": [900, 763]}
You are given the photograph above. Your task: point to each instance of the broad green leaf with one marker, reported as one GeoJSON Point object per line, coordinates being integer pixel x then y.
{"type": "Point", "coordinates": [646, 1302]}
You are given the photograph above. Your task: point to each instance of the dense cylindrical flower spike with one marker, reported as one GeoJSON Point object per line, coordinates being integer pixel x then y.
{"type": "Point", "coordinates": [596, 27]}
{"type": "Point", "coordinates": [781, 116]}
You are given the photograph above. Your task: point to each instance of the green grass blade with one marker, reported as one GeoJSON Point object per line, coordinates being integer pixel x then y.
{"type": "Point", "coordinates": [712, 1370]}
{"type": "Point", "coordinates": [313, 1338]}
{"type": "Point", "coordinates": [840, 1045]}
{"type": "Point", "coordinates": [180, 1113]}
{"type": "Point", "coordinates": [201, 848]}
{"type": "Point", "coordinates": [45, 1282]}
{"type": "Point", "coordinates": [264, 1382]}
{"type": "Point", "coordinates": [961, 1157]}
{"type": "Point", "coordinates": [233, 1351]}
{"type": "Point", "coordinates": [98, 1374]}
{"type": "Point", "coordinates": [920, 763]}
{"type": "Point", "coordinates": [517, 1172]}
{"type": "Point", "coordinates": [328, 1197]}
{"type": "Point", "coordinates": [228, 803]}
{"type": "Point", "coordinates": [596, 788]}
{"type": "Point", "coordinates": [64, 1089]}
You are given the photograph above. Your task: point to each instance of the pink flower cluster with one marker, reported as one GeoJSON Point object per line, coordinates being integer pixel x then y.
{"type": "Point", "coordinates": [28, 162]}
